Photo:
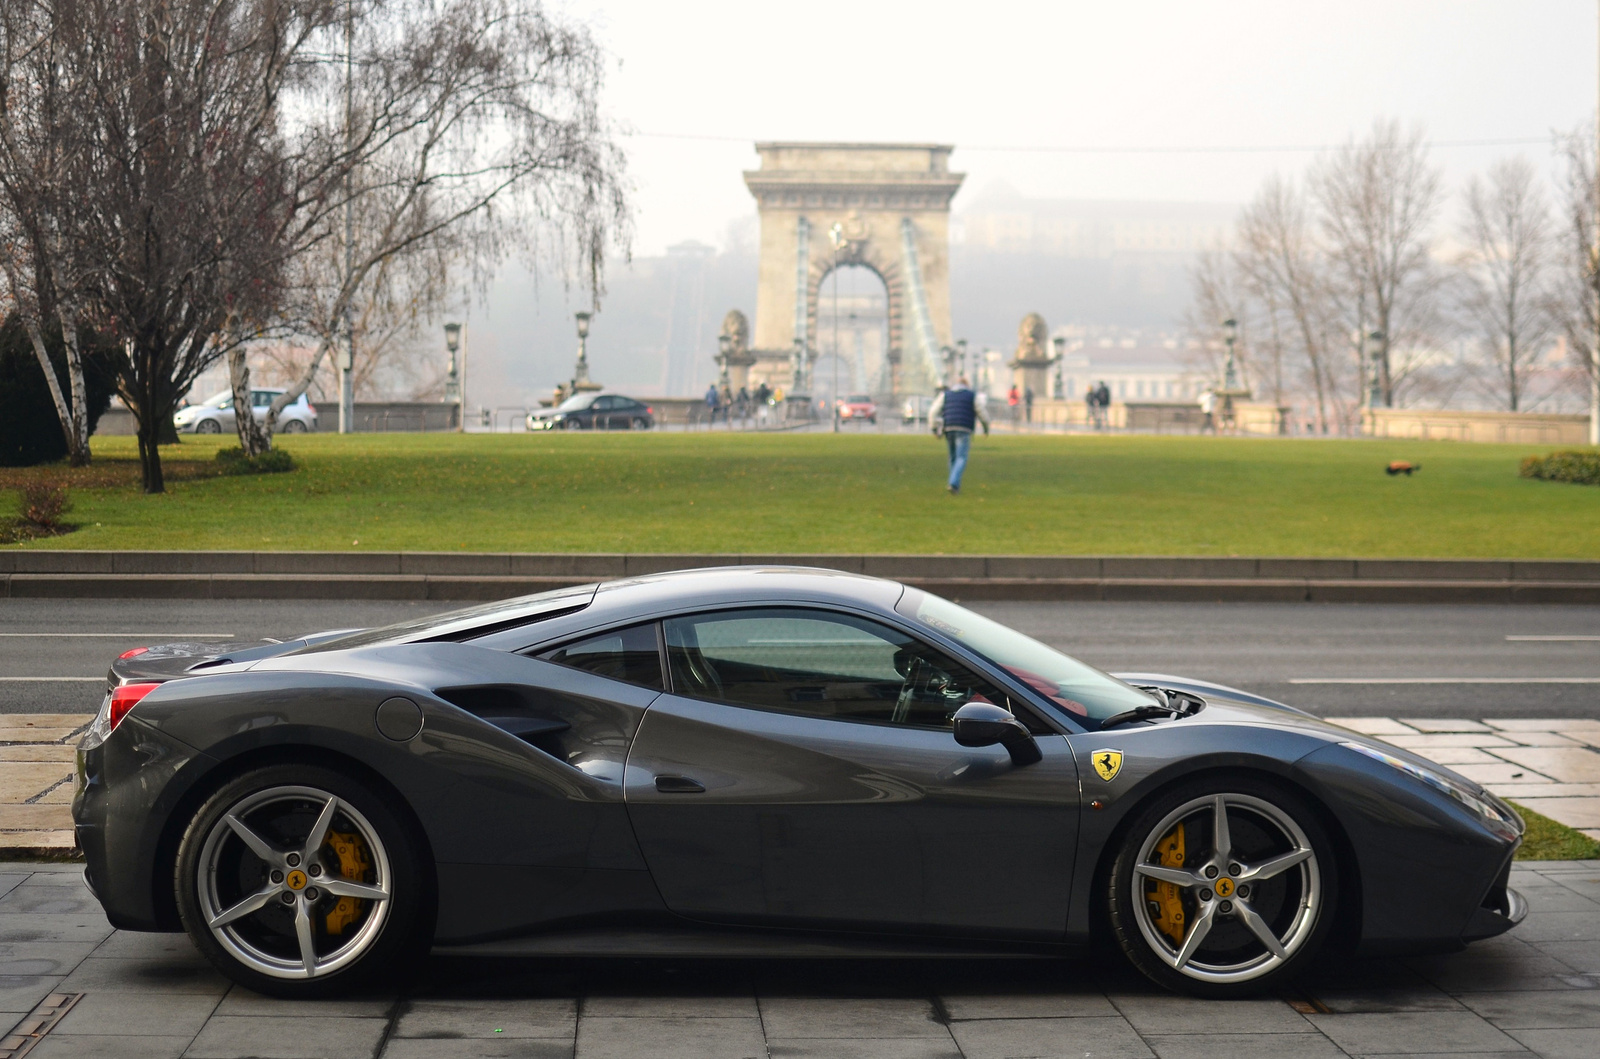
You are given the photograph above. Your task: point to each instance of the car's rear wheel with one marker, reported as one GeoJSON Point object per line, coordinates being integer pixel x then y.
{"type": "Point", "coordinates": [294, 426]}
{"type": "Point", "coordinates": [208, 426]}
{"type": "Point", "coordinates": [297, 881]}
{"type": "Point", "coordinates": [1223, 888]}
{"type": "Point", "coordinates": [639, 424]}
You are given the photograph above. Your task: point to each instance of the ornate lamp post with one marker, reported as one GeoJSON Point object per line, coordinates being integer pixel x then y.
{"type": "Point", "coordinates": [1373, 355]}
{"type": "Point", "coordinates": [724, 344]}
{"type": "Point", "coordinates": [1060, 344]}
{"type": "Point", "coordinates": [961, 355]}
{"type": "Point", "coordinates": [452, 386]}
{"type": "Point", "coordinates": [1230, 374]}
{"type": "Point", "coordinates": [580, 373]}
{"type": "Point", "coordinates": [798, 382]}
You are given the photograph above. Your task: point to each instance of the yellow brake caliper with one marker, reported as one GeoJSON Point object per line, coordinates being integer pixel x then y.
{"type": "Point", "coordinates": [1166, 902]}
{"type": "Point", "coordinates": [353, 865]}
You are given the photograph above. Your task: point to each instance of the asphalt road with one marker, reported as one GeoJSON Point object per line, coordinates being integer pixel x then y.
{"type": "Point", "coordinates": [1342, 660]}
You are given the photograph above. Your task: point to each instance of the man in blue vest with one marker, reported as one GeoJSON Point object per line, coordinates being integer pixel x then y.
{"type": "Point", "coordinates": [956, 413]}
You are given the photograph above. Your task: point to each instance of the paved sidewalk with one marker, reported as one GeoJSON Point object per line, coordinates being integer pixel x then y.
{"type": "Point", "coordinates": [147, 996]}
{"type": "Point", "coordinates": [1550, 766]}
{"type": "Point", "coordinates": [36, 761]}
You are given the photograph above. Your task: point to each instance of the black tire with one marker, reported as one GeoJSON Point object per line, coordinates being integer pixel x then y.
{"type": "Point", "coordinates": [366, 848]}
{"type": "Point", "coordinates": [1154, 921]}
{"type": "Point", "coordinates": [294, 426]}
{"type": "Point", "coordinates": [639, 424]}
{"type": "Point", "coordinates": [572, 424]}
{"type": "Point", "coordinates": [208, 426]}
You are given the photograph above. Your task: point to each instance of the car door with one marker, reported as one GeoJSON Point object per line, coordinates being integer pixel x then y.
{"type": "Point", "coordinates": [801, 771]}
{"type": "Point", "coordinates": [260, 401]}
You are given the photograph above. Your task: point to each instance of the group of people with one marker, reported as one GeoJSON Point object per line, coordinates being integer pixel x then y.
{"type": "Point", "coordinates": [1097, 399]}
{"type": "Point", "coordinates": [742, 405]}
{"type": "Point", "coordinates": [1021, 400]}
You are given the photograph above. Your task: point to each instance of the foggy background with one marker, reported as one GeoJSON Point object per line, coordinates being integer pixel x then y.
{"type": "Point", "coordinates": [1076, 124]}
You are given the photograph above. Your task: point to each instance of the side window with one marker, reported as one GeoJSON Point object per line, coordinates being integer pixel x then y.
{"type": "Point", "coordinates": [821, 664]}
{"type": "Point", "coordinates": [623, 654]}
{"type": "Point", "coordinates": [261, 399]}
{"type": "Point", "coordinates": [605, 404]}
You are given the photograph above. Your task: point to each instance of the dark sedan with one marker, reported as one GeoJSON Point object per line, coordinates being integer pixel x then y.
{"type": "Point", "coordinates": [755, 761]}
{"type": "Point", "coordinates": [595, 411]}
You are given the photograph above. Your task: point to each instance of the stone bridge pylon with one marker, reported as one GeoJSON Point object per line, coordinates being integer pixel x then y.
{"type": "Point", "coordinates": [891, 203]}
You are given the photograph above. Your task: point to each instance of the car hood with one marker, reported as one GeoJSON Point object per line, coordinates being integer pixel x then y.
{"type": "Point", "coordinates": [1229, 706]}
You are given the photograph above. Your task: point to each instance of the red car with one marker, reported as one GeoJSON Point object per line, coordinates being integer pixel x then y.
{"type": "Point", "coordinates": [859, 406]}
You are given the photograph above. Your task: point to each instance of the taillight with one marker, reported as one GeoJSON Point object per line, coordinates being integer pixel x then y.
{"type": "Point", "coordinates": [125, 697]}
{"type": "Point", "coordinates": [311, 408]}
{"type": "Point", "coordinates": [133, 652]}
{"type": "Point", "coordinates": [649, 411]}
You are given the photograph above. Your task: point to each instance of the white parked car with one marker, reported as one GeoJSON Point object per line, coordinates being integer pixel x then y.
{"type": "Point", "coordinates": [215, 416]}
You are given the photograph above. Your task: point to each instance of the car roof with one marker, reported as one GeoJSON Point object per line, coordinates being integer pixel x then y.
{"type": "Point", "coordinates": [650, 596]}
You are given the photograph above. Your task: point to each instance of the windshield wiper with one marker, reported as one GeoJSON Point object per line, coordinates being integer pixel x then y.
{"type": "Point", "coordinates": [1140, 713]}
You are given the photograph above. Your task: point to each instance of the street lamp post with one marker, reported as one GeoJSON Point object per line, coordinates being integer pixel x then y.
{"type": "Point", "coordinates": [961, 355]}
{"type": "Point", "coordinates": [1230, 335]}
{"type": "Point", "coordinates": [1060, 344]}
{"type": "Point", "coordinates": [580, 374]}
{"type": "Point", "coordinates": [724, 345]}
{"type": "Point", "coordinates": [452, 386]}
{"type": "Point", "coordinates": [1374, 342]}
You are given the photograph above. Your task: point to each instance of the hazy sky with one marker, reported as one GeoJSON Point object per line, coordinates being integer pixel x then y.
{"type": "Point", "coordinates": [697, 81]}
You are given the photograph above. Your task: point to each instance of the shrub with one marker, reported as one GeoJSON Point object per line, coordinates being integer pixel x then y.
{"type": "Point", "coordinates": [1582, 468]}
{"type": "Point", "coordinates": [43, 504]}
{"type": "Point", "coordinates": [273, 461]}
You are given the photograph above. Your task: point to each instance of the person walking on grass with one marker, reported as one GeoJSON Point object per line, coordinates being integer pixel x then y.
{"type": "Point", "coordinates": [956, 413]}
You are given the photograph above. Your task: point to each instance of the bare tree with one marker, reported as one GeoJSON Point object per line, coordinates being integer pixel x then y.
{"type": "Point", "coordinates": [1286, 275]}
{"type": "Point", "coordinates": [463, 130]}
{"type": "Point", "coordinates": [1576, 290]}
{"type": "Point", "coordinates": [1506, 227]}
{"type": "Point", "coordinates": [1218, 297]}
{"type": "Point", "coordinates": [1378, 200]}
{"type": "Point", "coordinates": [41, 163]}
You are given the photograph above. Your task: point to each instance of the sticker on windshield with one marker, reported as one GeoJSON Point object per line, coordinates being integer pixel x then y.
{"type": "Point", "coordinates": [1108, 763]}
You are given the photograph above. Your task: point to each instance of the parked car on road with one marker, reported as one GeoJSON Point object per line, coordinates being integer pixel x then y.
{"type": "Point", "coordinates": [859, 406]}
{"type": "Point", "coordinates": [215, 414]}
{"type": "Point", "coordinates": [594, 411]}
{"type": "Point", "coordinates": [755, 760]}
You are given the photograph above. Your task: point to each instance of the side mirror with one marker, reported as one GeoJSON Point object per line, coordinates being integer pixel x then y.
{"type": "Point", "coordinates": [985, 724]}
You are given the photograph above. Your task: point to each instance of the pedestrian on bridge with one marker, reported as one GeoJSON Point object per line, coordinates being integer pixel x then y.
{"type": "Point", "coordinates": [956, 413]}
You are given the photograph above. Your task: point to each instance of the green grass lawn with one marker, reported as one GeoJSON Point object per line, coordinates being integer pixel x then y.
{"type": "Point", "coordinates": [1547, 840]}
{"type": "Point", "coordinates": [702, 492]}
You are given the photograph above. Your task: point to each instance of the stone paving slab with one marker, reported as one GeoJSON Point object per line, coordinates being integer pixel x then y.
{"type": "Point", "coordinates": [1534, 992]}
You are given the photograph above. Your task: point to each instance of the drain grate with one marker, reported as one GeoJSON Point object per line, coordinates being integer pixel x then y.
{"type": "Point", "coordinates": [36, 1023]}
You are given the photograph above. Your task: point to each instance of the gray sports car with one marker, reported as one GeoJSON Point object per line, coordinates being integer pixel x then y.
{"type": "Point", "coordinates": [759, 761]}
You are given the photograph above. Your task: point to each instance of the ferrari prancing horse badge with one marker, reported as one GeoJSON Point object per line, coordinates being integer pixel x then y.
{"type": "Point", "coordinates": [1108, 763]}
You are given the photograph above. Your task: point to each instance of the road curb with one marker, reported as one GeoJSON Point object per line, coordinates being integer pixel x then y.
{"type": "Point", "coordinates": [968, 578]}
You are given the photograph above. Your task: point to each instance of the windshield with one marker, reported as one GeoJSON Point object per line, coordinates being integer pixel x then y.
{"type": "Point", "coordinates": [576, 403]}
{"type": "Point", "coordinates": [218, 400]}
{"type": "Point", "coordinates": [1080, 689]}
{"type": "Point", "coordinates": [484, 617]}
{"type": "Point", "coordinates": [858, 398]}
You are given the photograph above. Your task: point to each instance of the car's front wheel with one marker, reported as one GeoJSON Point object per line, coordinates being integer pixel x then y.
{"type": "Point", "coordinates": [1223, 888]}
{"type": "Point", "coordinates": [297, 881]}
{"type": "Point", "coordinates": [208, 426]}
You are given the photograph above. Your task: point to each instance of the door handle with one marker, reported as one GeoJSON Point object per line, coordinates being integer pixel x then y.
{"type": "Point", "coordinates": [678, 785]}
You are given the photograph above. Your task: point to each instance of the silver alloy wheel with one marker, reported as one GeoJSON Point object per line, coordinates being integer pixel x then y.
{"type": "Point", "coordinates": [1292, 870]}
{"type": "Point", "coordinates": [295, 877]}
